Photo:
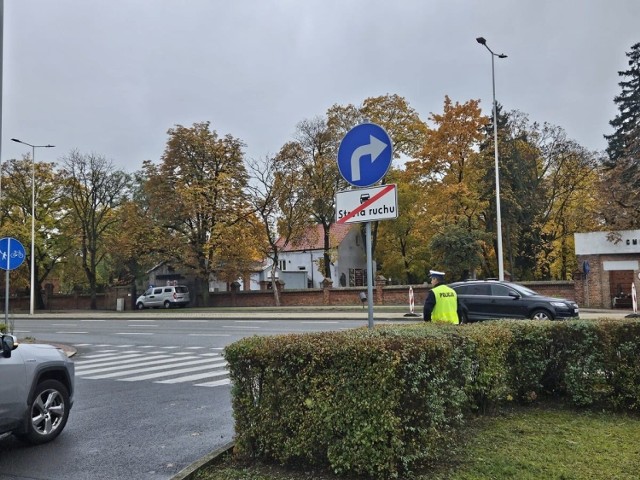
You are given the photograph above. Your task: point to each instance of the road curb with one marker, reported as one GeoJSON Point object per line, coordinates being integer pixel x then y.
{"type": "Point", "coordinates": [189, 473]}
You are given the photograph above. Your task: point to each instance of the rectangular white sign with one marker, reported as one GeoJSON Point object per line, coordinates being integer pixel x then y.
{"type": "Point", "coordinates": [367, 204]}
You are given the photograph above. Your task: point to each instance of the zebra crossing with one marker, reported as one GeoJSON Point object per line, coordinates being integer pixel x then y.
{"type": "Point", "coordinates": [198, 366]}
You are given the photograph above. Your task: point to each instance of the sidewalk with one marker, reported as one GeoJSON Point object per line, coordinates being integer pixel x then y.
{"type": "Point", "coordinates": [380, 312]}
{"type": "Point", "coordinates": [294, 313]}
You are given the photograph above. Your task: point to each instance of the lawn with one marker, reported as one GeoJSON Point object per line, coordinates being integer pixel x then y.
{"type": "Point", "coordinates": [542, 442]}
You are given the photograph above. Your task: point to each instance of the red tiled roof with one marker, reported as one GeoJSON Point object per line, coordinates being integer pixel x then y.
{"type": "Point", "coordinates": [313, 238]}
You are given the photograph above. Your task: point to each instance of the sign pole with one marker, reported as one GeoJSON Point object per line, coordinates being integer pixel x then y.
{"type": "Point", "coordinates": [14, 259]}
{"type": "Point", "coordinates": [364, 157]}
{"type": "Point", "coordinates": [6, 287]}
{"type": "Point", "coordinates": [369, 274]}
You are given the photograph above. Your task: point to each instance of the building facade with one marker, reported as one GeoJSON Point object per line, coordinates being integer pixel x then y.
{"type": "Point", "coordinates": [348, 258]}
{"type": "Point", "coordinates": [609, 263]}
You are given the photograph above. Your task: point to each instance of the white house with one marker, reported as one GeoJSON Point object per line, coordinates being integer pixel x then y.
{"type": "Point", "coordinates": [299, 262]}
{"type": "Point", "coordinates": [253, 279]}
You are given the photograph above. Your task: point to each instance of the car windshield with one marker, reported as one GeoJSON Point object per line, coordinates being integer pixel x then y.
{"type": "Point", "coordinates": [523, 290]}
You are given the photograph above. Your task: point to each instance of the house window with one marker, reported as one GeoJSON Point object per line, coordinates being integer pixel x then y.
{"type": "Point", "coordinates": [357, 277]}
{"type": "Point", "coordinates": [282, 264]}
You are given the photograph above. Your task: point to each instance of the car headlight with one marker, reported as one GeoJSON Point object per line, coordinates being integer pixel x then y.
{"type": "Point", "coordinates": [559, 304]}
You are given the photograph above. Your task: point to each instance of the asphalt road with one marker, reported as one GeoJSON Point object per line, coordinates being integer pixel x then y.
{"type": "Point", "coordinates": [134, 420]}
{"type": "Point", "coordinates": [149, 400]}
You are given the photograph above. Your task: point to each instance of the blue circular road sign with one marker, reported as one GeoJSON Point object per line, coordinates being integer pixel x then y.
{"type": "Point", "coordinates": [365, 155]}
{"type": "Point", "coordinates": [12, 253]}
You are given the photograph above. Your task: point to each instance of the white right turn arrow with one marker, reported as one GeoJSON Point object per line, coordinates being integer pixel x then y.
{"type": "Point", "coordinates": [374, 148]}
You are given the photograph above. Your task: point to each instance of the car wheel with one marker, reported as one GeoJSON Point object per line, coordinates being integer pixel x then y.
{"type": "Point", "coordinates": [140, 306]}
{"type": "Point", "coordinates": [48, 413]}
{"type": "Point", "coordinates": [462, 316]}
{"type": "Point", "coordinates": [167, 304]}
{"type": "Point", "coordinates": [541, 314]}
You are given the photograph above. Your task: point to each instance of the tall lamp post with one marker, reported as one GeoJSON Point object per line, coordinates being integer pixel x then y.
{"type": "Point", "coordinates": [33, 218]}
{"type": "Point", "coordinates": [482, 41]}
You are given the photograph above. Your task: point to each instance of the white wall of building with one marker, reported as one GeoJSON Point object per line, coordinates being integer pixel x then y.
{"type": "Point", "coordinates": [352, 254]}
{"type": "Point", "coordinates": [596, 243]}
{"type": "Point", "coordinates": [305, 261]}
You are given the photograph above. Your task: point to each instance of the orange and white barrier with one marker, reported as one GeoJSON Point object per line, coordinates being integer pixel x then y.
{"type": "Point", "coordinates": [412, 305]}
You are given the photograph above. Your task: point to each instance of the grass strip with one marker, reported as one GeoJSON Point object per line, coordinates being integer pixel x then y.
{"type": "Point", "coordinates": [540, 442]}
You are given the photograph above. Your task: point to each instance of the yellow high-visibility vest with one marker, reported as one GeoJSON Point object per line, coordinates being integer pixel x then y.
{"type": "Point", "coordinates": [446, 308]}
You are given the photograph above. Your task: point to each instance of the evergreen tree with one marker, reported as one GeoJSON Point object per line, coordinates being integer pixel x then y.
{"type": "Point", "coordinates": [620, 195]}
{"type": "Point", "coordinates": [624, 143]}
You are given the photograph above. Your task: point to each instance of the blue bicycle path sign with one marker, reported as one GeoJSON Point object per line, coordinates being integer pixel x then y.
{"type": "Point", "coordinates": [11, 253]}
{"type": "Point", "coordinates": [365, 155]}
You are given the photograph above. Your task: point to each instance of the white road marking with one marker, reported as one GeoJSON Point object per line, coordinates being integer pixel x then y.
{"type": "Point", "coordinates": [209, 335]}
{"type": "Point", "coordinates": [191, 378]}
{"type": "Point", "coordinates": [168, 370]}
{"type": "Point", "coordinates": [160, 365]}
{"type": "Point", "coordinates": [102, 358]}
{"type": "Point", "coordinates": [134, 333]}
{"type": "Point", "coordinates": [160, 360]}
{"type": "Point", "coordinates": [236, 326]}
{"type": "Point", "coordinates": [217, 383]}
{"type": "Point", "coordinates": [150, 376]}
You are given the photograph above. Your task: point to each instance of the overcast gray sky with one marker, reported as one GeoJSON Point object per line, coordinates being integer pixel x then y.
{"type": "Point", "coordinates": [112, 76]}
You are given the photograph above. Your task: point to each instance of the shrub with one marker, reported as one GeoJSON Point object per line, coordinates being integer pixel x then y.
{"type": "Point", "coordinates": [385, 402]}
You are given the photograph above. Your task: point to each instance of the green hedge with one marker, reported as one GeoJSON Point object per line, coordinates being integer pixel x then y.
{"type": "Point", "coordinates": [387, 401]}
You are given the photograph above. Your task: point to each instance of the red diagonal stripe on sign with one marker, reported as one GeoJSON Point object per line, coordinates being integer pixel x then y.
{"type": "Point", "coordinates": [364, 205]}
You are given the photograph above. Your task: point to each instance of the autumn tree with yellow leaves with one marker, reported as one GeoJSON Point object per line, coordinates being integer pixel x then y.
{"type": "Point", "coordinates": [197, 196]}
{"type": "Point", "coordinates": [53, 239]}
{"type": "Point", "coordinates": [445, 170]}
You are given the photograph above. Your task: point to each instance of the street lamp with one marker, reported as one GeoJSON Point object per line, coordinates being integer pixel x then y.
{"type": "Point", "coordinates": [482, 41]}
{"type": "Point", "coordinates": [33, 217]}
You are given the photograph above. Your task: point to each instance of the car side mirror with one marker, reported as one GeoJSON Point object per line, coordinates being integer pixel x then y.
{"type": "Point", "coordinates": [8, 344]}
{"type": "Point", "coordinates": [515, 295]}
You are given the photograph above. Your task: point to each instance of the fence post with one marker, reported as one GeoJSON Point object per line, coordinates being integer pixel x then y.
{"type": "Point", "coordinates": [326, 291]}
{"type": "Point", "coordinates": [380, 283]}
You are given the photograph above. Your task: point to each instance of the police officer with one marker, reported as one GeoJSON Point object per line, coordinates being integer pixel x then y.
{"type": "Point", "coordinates": [441, 304]}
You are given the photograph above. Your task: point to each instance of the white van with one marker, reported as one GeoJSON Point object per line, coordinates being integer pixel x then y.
{"type": "Point", "coordinates": [164, 297]}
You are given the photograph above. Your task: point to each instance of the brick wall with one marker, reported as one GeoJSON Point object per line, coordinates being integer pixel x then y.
{"type": "Point", "coordinates": [382, 295]}
{"type": "Point", "coordinates": [596, 289]}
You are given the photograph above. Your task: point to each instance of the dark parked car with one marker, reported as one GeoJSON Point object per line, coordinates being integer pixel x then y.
{"type": "Point", "coordinates": [491, 299]}
{"type": "Point", "coordinates": [36, 390]}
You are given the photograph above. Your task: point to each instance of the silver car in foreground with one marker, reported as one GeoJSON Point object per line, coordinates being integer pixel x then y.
{"type": "Point", "coordinates": [36, 390]}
